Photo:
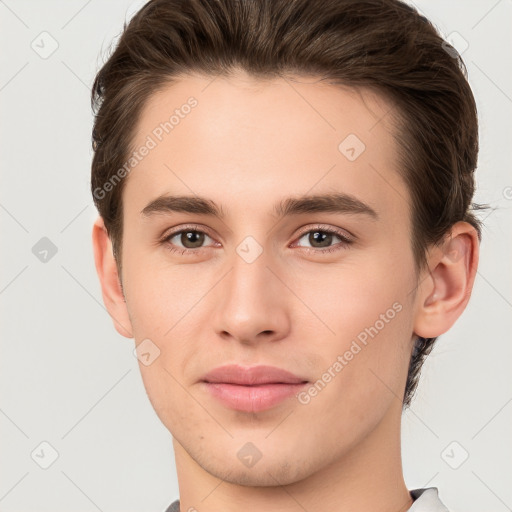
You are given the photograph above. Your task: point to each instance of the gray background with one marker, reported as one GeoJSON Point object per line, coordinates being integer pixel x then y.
{"type": "Point", "coordinates": [70, 380]}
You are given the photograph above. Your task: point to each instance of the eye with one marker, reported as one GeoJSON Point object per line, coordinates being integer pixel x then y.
{"type": "Point", "coordinates": [191, 239]}
{"type": "Point", "coordinates": [320, 239]}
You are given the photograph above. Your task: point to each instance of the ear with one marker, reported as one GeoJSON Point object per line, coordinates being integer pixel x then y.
{"type": "Point", "coordinates": [113, 296]}
{"type": "Point", "coordinates": [445, 291]}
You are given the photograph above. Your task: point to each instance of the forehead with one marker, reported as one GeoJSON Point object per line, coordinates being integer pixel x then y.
{"type": "Point", "coordinates": [241, 140]}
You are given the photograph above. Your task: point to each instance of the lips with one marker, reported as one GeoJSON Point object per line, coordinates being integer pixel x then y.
{"type": "Point", "coordinates": [251, 376]}
{"type": "Point", "coordinates": [251, 389]}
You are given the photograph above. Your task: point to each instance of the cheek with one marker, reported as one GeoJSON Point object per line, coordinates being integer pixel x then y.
{"type": "Point", "coordinates": [160, 297]}
{"type": "Point", "coordinates": [364, 317]}
{"type": "Point", "coordinates": [159, 311]}
{"type": "Point", "coordinates": [346, 299]}
{"type": "Point", "coordinates": [363, 371]}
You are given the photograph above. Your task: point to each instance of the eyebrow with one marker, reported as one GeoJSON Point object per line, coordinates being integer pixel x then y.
{"type": "Point", "coordinates": [333, 203]}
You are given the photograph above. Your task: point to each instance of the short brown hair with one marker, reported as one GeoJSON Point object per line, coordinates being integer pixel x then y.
{"type": "Point", "coordinates": [384, 45]}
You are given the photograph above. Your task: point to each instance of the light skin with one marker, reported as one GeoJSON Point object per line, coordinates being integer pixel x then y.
{"type": "Point", "coordinates": [248, 145]}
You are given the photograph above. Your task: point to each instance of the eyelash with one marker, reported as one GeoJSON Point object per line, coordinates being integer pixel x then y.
{"type": "Point", "coordinates": [345, 241]}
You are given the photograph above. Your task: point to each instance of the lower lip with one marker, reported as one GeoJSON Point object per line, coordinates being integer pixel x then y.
{"type": "Point", "coordinates": [252, 398]}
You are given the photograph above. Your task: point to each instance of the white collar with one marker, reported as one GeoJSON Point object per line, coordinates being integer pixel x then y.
{"type": "Point", "coordinates": [426, 500]}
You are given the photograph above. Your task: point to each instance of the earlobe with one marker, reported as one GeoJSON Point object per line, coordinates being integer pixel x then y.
{"type": "Point", "coordinates": [111, 290]}
{"type": "Point", "coordinates": [445, 292]}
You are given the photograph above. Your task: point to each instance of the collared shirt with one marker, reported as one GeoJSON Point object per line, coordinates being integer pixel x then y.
{"type": "Point", "coordinates": [425, 500]}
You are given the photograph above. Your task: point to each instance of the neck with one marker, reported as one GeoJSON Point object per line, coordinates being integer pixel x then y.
{"type": "Point", "coordinates": [367, 478]}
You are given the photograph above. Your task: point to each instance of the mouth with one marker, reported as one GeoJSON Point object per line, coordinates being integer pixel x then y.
{"type": "Point", "coordinates": [252, 389]}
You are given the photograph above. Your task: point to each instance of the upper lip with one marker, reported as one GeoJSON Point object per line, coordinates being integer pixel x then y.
{"type": "Point", "coordinates": [251, 375]}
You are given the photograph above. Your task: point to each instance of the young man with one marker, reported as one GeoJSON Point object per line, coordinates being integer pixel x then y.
{"type": "Point", "coordinates": [284, 189]}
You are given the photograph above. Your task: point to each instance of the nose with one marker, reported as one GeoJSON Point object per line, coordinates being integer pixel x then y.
{"type": "Point", "coordinates": [252, 302]}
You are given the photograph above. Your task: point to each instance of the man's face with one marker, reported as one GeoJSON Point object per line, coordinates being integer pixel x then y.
{"type": "Point", "coordinates": [257, 288]}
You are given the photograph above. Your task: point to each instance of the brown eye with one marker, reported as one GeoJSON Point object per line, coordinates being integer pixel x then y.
{"type": "Point", "coordinates": [188, 240]}
{"type": "Point", "coordinates": [323, 240]}
{"type": "Point", "coordinates": [192, 239]}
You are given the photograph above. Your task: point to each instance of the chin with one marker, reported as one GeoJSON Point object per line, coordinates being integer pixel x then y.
{"type": "Point", "coordinates": [268, 471]}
